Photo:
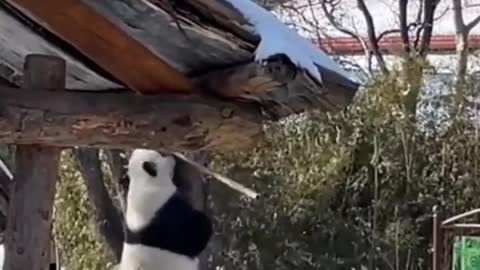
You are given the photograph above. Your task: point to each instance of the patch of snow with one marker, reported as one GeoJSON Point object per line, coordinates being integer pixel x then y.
{"type": "Point", "coordinates": [277, 38]}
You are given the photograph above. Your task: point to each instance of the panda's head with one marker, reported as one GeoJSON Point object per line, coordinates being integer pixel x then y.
{"type": "Point", "coordinates": [149, 169]}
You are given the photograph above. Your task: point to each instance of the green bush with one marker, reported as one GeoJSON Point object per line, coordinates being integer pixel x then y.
{"type": "Point", "coordinates": [350, 190]}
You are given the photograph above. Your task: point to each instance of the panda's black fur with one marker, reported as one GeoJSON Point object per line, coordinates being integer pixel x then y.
{"type": "Point", "coordinates": [176, 227]}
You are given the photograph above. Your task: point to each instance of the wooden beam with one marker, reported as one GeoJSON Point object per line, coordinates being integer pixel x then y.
{"type": "Point", "coordinates": [100, 40]}
{"type": "Point", "coordinates": [31, 201]}
{"type": "Point", "coordinates": [227, 15]}
{"type": "Point", "coordinates": [18, 41]}
{"type": "Point", "coordinates": [169, 122]}
{"type": "Point", "coordinates": [197, 47]}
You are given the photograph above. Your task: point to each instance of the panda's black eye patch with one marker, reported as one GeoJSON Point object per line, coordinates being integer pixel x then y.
{"type": "Point", "coordinates": [150, 168]}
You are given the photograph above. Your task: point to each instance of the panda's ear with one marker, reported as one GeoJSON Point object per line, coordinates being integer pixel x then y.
{"type": "Point", "coordinates": [150, 168]}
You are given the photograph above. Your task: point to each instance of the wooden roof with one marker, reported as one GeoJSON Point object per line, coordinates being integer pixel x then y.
{"type": "Point", "coordinates": [160, 47]}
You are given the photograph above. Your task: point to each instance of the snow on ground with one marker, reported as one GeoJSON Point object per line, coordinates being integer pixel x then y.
{"type": "Point", "coordinates": [277, 38]}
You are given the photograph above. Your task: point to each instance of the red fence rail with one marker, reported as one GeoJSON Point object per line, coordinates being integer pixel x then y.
{"type": "Point", "coordinates": [440, 44]}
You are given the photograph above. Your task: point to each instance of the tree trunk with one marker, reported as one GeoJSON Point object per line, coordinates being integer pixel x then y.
{"type": "Point", "coordinates": [462, 42]}
{"type": "Point", "coordinates": [108, 217]}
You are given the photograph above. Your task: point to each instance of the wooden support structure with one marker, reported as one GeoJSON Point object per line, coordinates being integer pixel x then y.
{"type": "Point", "coordinates": [133, 49]}
{"type": "Point", "coordinates": [18, 41]}
{"type": "Point", "coordinates": [29, 216]}
{"type": "Point", "coordinates": [125, 120]}
{"type": "Point", "coordinates": [100, 40]}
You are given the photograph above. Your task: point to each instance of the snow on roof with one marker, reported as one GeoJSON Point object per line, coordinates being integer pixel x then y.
{"type": "Point", "coordinates": [277, 38]}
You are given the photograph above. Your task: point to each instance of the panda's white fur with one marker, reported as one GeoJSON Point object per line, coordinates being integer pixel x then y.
{"type": "Point", "coordinates": [146, 195]}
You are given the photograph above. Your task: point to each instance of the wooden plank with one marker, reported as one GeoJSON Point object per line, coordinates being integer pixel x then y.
{"type": "Point", "coordinates": [17, 41]}
{"type": "Point", "coordinates": [171, 122]}
{"type": "Point", "coordinates": [31, 200]}
{"type": "Point", "coordinates": [227, 15]}
{"type": "Point", "coordinates": [198, 46]}
{"type": "Point", "coordinates": [100, 40]}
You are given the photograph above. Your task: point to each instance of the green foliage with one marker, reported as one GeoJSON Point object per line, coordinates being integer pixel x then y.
{"type": "Point", "coordinates": [350, 190]}
{"type": "Point", "coordinates": [74, 223]}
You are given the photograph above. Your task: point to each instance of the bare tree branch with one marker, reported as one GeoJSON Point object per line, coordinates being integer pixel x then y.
{"type": "Point", "coordinates": [331, 19]}
{"type": "Point", "coordinates": [403, 26]}
{"type": "Point", "coordinates": [428, 18]}
{"type": "Point", "coordinates": [457, 15]}
{"type": "Point", "coordinates": [109, 218]}
{"type": "Point", "coordinates": [462, 43]}
{"type": "Point", "coordinates": [473, 23]}
{"type": "Point", "coordinates": [372, 36]}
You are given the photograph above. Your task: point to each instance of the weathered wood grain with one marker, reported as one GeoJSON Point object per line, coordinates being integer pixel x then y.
{"type": "Point", "coordinates": [31, 201]}
{"type": "Point", "coordinates": [336, 91]}
{"type": "Point", "coordinates": [16, 41]}
{"type": "Point", "coordinates": [226, 15]}
{"type": "Point", "coordinates": [203, 47]}
{"type": "Point", "coordinates": [279, 87]}
{"type": "Point", "coordinates": [126, 120]}
{"type": "Point", "coordinates": [217, 53]}
{"type": "Point", "coordinates": [99, 39]}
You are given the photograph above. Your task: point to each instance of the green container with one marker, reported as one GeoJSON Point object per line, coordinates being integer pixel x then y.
{"type": "Point", "coordinates": [466, 253]}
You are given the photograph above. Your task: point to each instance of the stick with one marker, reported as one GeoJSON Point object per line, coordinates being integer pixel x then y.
{"type": "Point", "coordinates": [5, 169]}
{"type": "Point", "coordinates": [227, 181]}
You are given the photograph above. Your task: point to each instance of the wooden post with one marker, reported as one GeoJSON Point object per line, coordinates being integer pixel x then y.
{"type": "Point", "coordinates": [29, 215]}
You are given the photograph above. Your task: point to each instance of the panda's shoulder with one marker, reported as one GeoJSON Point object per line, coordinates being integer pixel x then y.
{"type": "Point", "coordinates": [178, 213]}
{"type": "Point", "coordinates": [176, 205]}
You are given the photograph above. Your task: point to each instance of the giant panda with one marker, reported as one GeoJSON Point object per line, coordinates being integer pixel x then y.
{"type": "Point", "coordinates": [162, 230]}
